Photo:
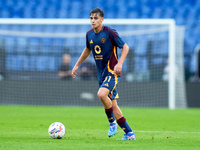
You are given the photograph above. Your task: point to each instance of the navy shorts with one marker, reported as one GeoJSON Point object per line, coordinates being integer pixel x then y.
{"type": "Point", "coordinates": [110, 83]}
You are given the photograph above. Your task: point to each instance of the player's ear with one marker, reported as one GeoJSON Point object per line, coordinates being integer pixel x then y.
{"type": "Point", "coordinates": [102, 19]}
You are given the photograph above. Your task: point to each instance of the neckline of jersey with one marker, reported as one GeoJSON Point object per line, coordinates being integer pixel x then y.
{"type": "Point", "coordinates": [100, 30]}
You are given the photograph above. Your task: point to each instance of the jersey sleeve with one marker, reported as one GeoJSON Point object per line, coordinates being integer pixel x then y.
{"type": "Point", "coordinates": [87, 42]}
{"type": "Point", "coordinates": [118, 40]}
{"type": "Point", "coordinates": [115, 37]}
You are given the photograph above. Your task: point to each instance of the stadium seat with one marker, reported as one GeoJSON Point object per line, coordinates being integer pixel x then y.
{"type": "Point", "coordinates": [34, 45]}
{"type": "Point", "coordinates": [11, 62]}
{"type": "Point", "coordinates": [17, 12]}
{"type": "Point", "coordinates": [5, 14]}
{"type": "Point", "coordinates": [86, 8]}
{"type": "Point", "coordinates": [141, 64]}
{"type": "Point", "coordinates": [75, 9]}
{"type": "Point", "coordinates": [140, 49]}
{"type": "Point", "coordinates": [21, 45]}
{"type": "Point", "coordinates": [169, 13]}
{"type": "Point", "coordinates": [49, 28]}
{"type": "Point", "coordinates": [37, 28]}
{"type": "Point", "coordinates": [22, 62]}
{"type": "Point", "coordinates": [70, 42]}
{"type": "Point", "coordinates": [146, 12]}
{"type": "Point", "coordinates": [8, 62]}
{"type": "Point", "coordinates": [122, 14]}
{"type": "Point", "coordinates": [51, 64]}
{"type": "Point", "coordinates": [26, 28]}
{"type": "Point", "coordinates": [178, 3]}
{"type": "Point", "coordinates": [57, 45]}
{"type": "Point", "coordinates": [4, 27]}
{"type": "Point", "coordinates": [111, 13]}
{"type": "Point", "coordinates": [157, 13]}
{"type": "Point", "coordinates": [39, 12]}
{"type": "Point", "coordinates": [133, 14]}
{"type": "Point", "coordinates": [84, 14]}
{"type": "Point", "coordinates": [25, 63]}
{"type": "Point", "coordinates": [60, 28]}
{"type": "Point", "coordinates": [32, 62]}
{"type": "Point", "coordinates": [42, 63]}
{"type": "Point", "coordinates": [133, 5]}
{"type": "Point", "coordinates": [180, 20]}
{"type": "Point", "coordinates": [28, 12]}
{"type": "Point", "coordinates": [15, 27]}
{"type": "Point", "coordinates": [46, 45]}
{"type": "Point", "coordinates": [51, 12]}
{"type": "Point", "coordinates": [63, 13]}
{"type": "Point", "coordinates": [81, 42]}
{"type": "Point", "coordinates": [10, 44]}
{"type": "Point", "coordinates": [158, 61]}
{"type": "Point", "coordinates": [14, 62]}
{"type": "Point", "coordinates": [157, 45]}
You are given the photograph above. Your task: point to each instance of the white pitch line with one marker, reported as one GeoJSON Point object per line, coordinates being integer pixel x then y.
{"type": "Point", "coordinates": [184, 132]}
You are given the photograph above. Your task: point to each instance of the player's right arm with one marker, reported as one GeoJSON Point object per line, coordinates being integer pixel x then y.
{"type": "Point", "coordinates": [86, 52]}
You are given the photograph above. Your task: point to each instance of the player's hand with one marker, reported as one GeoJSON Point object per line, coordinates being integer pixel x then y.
{"type": "Point", "coordinates": [74, 71]}
{"type": "Point", "coordinates": [118, 68]}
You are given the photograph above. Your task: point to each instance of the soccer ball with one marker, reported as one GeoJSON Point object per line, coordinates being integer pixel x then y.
{"type": "Point", "coordinates": [56, 130]}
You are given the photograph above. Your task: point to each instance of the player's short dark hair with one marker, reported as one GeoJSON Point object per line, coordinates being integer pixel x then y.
{"type": "Point", "coordinates": [97, 10]}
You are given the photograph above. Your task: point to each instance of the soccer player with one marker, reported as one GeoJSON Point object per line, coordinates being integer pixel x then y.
{"type": "Point", "coordinates": [103, 41]}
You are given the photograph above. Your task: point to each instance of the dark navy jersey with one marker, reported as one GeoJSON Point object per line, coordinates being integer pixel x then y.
{"type": "Point", "coordinates": [104, 48]}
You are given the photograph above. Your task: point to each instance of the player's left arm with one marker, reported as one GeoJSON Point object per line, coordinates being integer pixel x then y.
{"type": "Point", "coordinates": [118, 66]}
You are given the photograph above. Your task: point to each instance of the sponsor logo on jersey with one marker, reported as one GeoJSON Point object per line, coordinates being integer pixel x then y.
{"type": "Point", "coordinates": [91, 42]}
{"type": "Point", "coordinates": [97, 49]}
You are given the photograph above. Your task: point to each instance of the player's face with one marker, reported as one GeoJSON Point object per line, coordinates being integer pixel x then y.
{"type": "Point", "coordinates": [96, 21]}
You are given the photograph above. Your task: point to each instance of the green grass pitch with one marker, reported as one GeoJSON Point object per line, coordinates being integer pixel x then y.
{"type": "Point", "coordinates": [26, 128]}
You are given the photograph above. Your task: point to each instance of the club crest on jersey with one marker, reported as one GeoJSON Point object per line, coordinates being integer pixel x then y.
{"type": "Point", "coordinates": [103, 40]}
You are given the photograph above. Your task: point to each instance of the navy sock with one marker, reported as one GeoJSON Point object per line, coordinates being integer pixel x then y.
{"type": "Point", "coordinates": [110, 114]}
{"type": "Point", "coordinates": [124, 125]}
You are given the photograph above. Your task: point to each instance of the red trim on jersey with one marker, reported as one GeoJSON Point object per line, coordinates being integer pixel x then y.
{"type": "Point", "coordinates": [113, 59]}
{"type": "Point", "coordinates": [111, 31]}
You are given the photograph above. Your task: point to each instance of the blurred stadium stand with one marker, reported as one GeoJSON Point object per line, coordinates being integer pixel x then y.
{"type": "Point", "coordinates": [185, 12]}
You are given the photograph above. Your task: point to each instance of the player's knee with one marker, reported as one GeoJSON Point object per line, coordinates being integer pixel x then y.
{"type": "Point", "coordinates": [101, 95]}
